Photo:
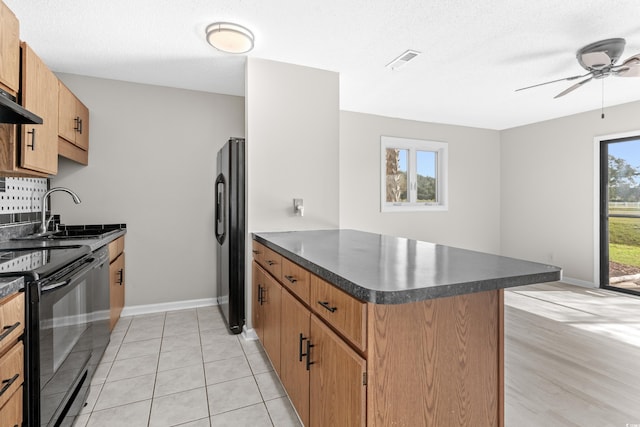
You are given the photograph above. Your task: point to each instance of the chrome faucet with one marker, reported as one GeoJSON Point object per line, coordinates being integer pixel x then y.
{"type": "Point", "coordinates": [44, 224]}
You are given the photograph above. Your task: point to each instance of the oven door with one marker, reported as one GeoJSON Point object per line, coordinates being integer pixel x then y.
{"type": "Point", "coordinates": [65, 342]}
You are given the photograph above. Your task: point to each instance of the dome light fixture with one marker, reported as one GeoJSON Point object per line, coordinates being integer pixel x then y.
{"type": "Point", "coordinates": [229, 37]}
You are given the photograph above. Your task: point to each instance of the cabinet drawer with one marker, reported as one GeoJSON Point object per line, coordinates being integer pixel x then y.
{"type": "Point", "coordinates": [258, 252]}
{"type": "Point", "coordinates": [11, 413]}
{"type": "Point", "coordinates": [296, 279]}
{"type": "Point", "coordinates": [11, 320]}
{"type": "Point", "coordinates": [342, 311]}
{"type": "Point", "coordinates": [270, 260]}
{"type": "Point", "coordinates": [11, 372]}
{"type": "Point", "coordinates": [116, 247]}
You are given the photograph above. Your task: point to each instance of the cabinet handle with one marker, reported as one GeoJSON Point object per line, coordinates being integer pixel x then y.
{"type": "Point", "coordinates": [32, 132]}
{"type": "Point", "coordinates": [121, 276]}
{"type": "Point", "coordinates": [80, 126]}
{"type": "Point", "coordinates": [326, 305]}
{"type": "Point", "coordinates": [308, 354]}
{"type": "Point", "coordinates": [77, 126]}
{"type": "Point", "coordinates": [7, 383]}
{"type": "Point", "coordinates": [300, 353]}
{"type": "Point", "coordinates": [291, 279]}
{"type": "Point", "coordinates": [8, 330]}
{"type": "Point", "coordinates": [255, 252]}
{"type": "Point", "coordinates": [270, 262]}
{"type": "Point", "coordinates": [260, 294]}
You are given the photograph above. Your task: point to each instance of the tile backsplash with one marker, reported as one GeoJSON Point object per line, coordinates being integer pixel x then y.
{"type": "Point", "coordinates": [20, 200]}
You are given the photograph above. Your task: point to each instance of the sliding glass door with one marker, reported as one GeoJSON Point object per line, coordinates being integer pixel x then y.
{"type": "Point", "coordinates": [620, 215]}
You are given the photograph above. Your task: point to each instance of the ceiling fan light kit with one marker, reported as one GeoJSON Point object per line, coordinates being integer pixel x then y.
{"type": "Point", "coordinates": [599, 60]}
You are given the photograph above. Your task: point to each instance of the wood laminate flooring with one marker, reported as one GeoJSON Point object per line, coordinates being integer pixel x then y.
{"type": "Point", "coordinates": [572, 357]}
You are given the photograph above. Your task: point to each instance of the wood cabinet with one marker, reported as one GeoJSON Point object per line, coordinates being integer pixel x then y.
{"type": "Point", "coordinates": [39, 143]}
{"type": "Point", "coordinates": [295, 332]}
{"type": "Point", "coordinates": [116, 279]}
{"type": "Point", "coordinates": [73, 126]}
{"type": "Point", "coordinates": [11, 359]}
{"type": "Point", "coordinates": [344, 362]}
{"type": "Point", "coordinates": [9, 51]}
{"type": "Point", "coordinates": [267, 293]}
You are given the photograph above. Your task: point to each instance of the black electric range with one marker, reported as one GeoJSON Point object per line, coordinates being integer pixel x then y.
{"type": "Point", "coordinates": [67, 325]}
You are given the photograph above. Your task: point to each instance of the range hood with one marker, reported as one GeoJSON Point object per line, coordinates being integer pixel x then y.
{"type": "Point", "coordinates": [14, 113]}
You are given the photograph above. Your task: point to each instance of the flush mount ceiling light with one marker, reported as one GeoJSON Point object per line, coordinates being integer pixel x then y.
{"type": "Point", "coordinates": [229, 37]}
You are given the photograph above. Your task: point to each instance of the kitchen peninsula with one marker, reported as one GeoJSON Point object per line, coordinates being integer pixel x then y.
{"type": "Point", "coordinates": [367, 329]}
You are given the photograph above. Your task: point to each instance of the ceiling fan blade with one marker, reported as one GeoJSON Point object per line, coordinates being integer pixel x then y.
{"type": "Point", "coordinates": [554, 81]}
{"type": "Point", "coordinates": [572, 88]}
{"type": "Point", "coordinates": [629, 68]}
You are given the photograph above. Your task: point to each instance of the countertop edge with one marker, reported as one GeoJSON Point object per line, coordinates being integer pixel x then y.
{"type": "Point", "coordinates": [10, 285]}
{"type": "Point", "coordinates": [411, 295]}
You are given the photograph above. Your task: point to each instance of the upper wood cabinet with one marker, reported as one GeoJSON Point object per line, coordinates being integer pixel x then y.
{"type": "Point", "coordinates": [9, 50]}
{"type": "Point", "coordinates": [39, 143]}
{"type": "Point", "coordinates": [73, 126]}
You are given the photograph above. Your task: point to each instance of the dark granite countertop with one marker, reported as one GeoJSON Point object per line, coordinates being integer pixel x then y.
{"type": "Point", "coordinates": [93, 244]}
{"type": "Point", "coordinates": [10, 285]}
{"type": "Point", "coordinates": [392, 270]}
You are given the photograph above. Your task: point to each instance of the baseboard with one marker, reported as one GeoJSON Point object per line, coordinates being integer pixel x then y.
{"type": "Point", "coordinates": [136, 310]}
{"type": "Point", "coordinates": [578, 282]}
{"type": "Point", "coordinates": [249, 334]}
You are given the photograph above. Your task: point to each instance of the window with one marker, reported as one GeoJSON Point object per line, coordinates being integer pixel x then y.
{"type": "Point", "coordinates": [414, 175]}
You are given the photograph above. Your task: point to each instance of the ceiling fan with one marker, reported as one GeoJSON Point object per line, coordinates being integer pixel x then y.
{"type": "Point", "coordinates": [599, 59]}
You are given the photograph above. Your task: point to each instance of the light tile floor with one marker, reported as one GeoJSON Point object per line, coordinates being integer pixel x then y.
{"type": "Point", "coordinates": [182, 368]}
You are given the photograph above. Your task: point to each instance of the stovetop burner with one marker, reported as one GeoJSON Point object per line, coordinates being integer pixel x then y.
{"type": "Point", "coordinates": [38, 262]}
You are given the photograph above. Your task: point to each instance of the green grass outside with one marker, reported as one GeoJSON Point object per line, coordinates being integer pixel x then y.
{"type": "Point", "coordinates": [624, 241]}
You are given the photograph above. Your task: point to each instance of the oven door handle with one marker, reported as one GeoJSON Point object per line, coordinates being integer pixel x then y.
{"type": "Point", "coordinates": [56, 285]}
{"type": "Point", "coordinates": [72, 277]}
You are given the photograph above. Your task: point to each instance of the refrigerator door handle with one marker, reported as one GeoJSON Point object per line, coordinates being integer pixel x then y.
{"type": "Point", "coordinates": [221, 216]}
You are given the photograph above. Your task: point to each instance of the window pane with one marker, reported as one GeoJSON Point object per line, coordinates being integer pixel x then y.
{"type": "Point", "coordinates": [396, 165]}
{"type": "Point", "coordinates": [426, 175]}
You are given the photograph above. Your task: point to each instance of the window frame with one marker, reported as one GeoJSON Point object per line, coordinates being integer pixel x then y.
{"type": "Point", "coordinates": [413, 146]}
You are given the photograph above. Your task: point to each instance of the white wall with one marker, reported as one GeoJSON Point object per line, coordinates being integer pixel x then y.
{"type": "Point", "coordinates": [473, 218]}
{"type": "Point", "coordinates": [292, 145]}
{"type": "Point", "coordinates": [292, 138]}
{"type": "Point", "coordinates": [152, 166]}
{"type": "Point", "coordinates": [549, 189]}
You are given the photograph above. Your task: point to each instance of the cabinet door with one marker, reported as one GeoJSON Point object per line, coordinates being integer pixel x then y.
{"type": "Point", "coordinates": [9, 50]}
{"type": "Point", "coordinates": [82, 131]}
{"type": "Point", "coordinates": [256, 306]}
{"type": "Point", "coordinates": [337, 380]}
{"type": "Point", "coordinates": [271, 309]}
{"type": "Point", "coordinates": [116, 288]}
{"type": "Point", "coordinates": [66, 113]}
{"type": "Point", "coordinates": [294, 334]}
{"type": "Point", "coordinates": [39, 146]}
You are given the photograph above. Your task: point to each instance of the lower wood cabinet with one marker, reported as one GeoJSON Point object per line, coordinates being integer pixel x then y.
{"type": "Point", "coordinates": [116, 279]}
{"type": "Point", "coordinates": [11, 359]}
{"type": "Point", "coordinates": [267, 293]}
{"type": "Point", "coordinates": [324, 378]}
{"type": "Point", "coordinates": [343, 362]}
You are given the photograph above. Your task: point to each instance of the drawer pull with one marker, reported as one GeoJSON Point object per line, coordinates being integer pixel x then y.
{"type": "Point", "coordinates": [255, 252]}
{"type": "Point", "coordinates": [308, 354]}
{"type": "Point", "coordinates": [7, 383]}
{"type": "Point", "coordinates": [120, 279]}
{"type": "Point", "coordinates": [326, 305]}
{"type": "Point", "coordinates": [8, 330]}
{"type": "Point", "coordinates": [270, 262]}
{"type": "Point", "coordinates": [291, 279]}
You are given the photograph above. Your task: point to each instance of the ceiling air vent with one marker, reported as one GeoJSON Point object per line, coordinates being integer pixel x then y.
{"type": "Point", "coordinates": [401, 60]}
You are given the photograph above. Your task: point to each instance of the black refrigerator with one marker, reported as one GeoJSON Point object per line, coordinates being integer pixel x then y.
{"type": "Point", "coordinates": [230, 232]}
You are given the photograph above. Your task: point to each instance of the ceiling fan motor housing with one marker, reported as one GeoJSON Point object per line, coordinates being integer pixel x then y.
{"type": "Point", "coordinates": [601, 54]}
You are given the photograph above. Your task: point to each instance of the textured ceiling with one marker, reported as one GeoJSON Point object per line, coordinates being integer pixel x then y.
{"type": "Point", "coordinates": [474, 53]}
